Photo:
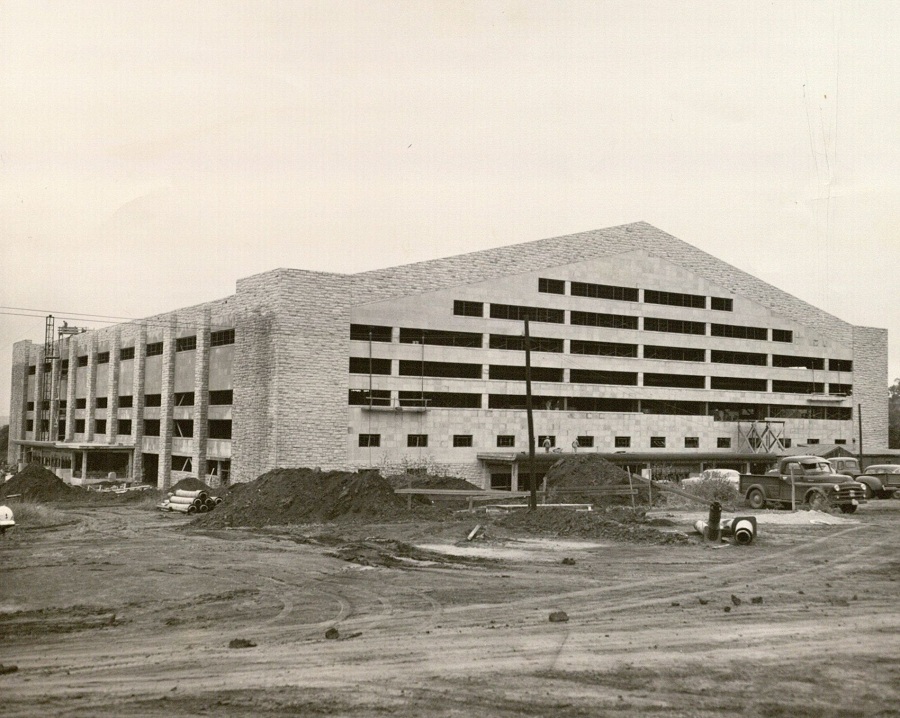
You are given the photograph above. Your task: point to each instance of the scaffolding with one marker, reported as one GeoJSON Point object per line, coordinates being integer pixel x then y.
{"type": "Point", "coordinates": [761, 437]}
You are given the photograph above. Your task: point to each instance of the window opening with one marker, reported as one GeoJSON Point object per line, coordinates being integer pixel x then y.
{"type": "Point", "coordinates": [551, 286]}
{"type": "Point", "coordinates": [534, 314]}
{"type": "Point", "coordinates": [464, 308]}
{"type": "Point", "coordinates": [595, 319]}
{"type": "Point", "coordinates": [674, 326]}
{"type": "Point", "coordinates": [185, 344]}
{"type": "Point", "coordinates": [734, 331]}
{"type": "Point", "coordinates": [674, 299]}
{"type": "Point", "coordinates": [221, 338]}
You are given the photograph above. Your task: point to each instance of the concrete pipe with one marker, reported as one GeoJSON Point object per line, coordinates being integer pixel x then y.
{"type": "Point", "coordinates": [203, 508]}
{"type": "Point", "coordinates": [184, 508]}
{"type": "Point", "coordinates": [743, 528]}
{"type": "Point", "coordinates": [182, 500]}
{"type": "Point", "coordinates": [218, 500]}
{"type": "Point", "coordinates": [191, 494]}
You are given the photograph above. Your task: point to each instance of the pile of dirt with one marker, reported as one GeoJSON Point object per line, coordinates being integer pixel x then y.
{"type": "Point", "coordinates": [306, 496]}
{"type": "Point", "coordinates": [576, 479]}
{"type": "Point", "coordinates": [37, 483]}
{"type": "Point", "coordinates": [616, 525]}
{"type": "Point", "coordinates": [431, 481]}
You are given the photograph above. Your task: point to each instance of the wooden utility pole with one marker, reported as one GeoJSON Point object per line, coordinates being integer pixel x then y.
{"type": "Point", "coordinates": [532, 480]}
{"type": "Point", "coordinates": [859, 419]}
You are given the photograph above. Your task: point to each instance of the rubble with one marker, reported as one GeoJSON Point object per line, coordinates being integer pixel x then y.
{"type": "Point", "coordinates": [615, 524]}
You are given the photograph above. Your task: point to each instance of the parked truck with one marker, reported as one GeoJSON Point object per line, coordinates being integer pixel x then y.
{"type": "Point", "coordinates": [799, 480]}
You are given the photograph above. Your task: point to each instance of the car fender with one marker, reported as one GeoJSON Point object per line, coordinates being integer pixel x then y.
{"type": "Point", "coordinates": [873, 482]}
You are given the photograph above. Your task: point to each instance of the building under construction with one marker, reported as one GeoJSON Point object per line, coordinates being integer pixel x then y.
{"type": "Point", "coordinates": [638, 342]}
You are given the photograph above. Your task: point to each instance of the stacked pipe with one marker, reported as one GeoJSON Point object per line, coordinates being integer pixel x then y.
{"type": "Point", "coordinates": [190, 502]}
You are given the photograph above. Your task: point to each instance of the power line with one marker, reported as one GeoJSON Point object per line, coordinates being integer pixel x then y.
{"type": "Point", "coordinates": [102, 319]}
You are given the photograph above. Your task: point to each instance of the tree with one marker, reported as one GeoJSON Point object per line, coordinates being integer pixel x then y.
{"type": "Point", "coordinates": [894, 415]}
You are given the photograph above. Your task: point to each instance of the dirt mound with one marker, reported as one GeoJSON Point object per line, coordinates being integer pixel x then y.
{"type": "Point", "coordinates": [430, 481]}
{"type": "Point", "coordinates": [300, 496]}
{"type": "Point", "coordinates": [616, 524]}
{"type": "Point", "coordinates": [576, 479]}
{"type": "Point", "coordinates": [36, 483]}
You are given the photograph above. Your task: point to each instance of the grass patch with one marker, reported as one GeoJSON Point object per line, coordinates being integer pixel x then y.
{"type": "Point", "coordinates": [33, 515]}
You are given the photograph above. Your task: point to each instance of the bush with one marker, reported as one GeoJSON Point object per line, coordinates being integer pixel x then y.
{"type": "Point", "coordinates": [711, 490]}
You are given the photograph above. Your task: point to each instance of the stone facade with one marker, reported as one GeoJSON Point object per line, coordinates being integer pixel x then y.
{"type": "Point", "coordinates": [289, 380]}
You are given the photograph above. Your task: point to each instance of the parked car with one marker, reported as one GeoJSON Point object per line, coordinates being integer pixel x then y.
{"type": "Point", "coordinates": [729, 475]}
{"type": "Point", "coordinates": [881, 481]}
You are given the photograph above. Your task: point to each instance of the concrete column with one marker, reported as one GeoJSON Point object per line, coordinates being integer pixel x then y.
{"type": "Point", "coordinates": [112, 389]}
{"type": "Point", "coordinates": [201, 398]}
{"type": "Point", "coordinates": [70, 391]}
{"type": "Point", "coordinates": [137, 403]}
{"type": "Point", "coordinates": [84, 455]}
{"type": "Point", "coordinates": [18, 400]}
{"type": "Point", "coordinates": [38, 357]}
{"type": "Point", "coordinates": [90, 404]}
{"type": "Point", "coordinates": [167, 403]}
{"type": "Point", "coordinates": [54, 394]}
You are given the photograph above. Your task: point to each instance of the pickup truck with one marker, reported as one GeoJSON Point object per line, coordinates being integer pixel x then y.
{"type": "Point", "coordinates": [881, 481]}
{"type": "Point", "coordinates": [805, 479]}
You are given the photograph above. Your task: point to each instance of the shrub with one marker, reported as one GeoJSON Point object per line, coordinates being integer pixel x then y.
{"type": "Point", "coordinates": [711, 490]}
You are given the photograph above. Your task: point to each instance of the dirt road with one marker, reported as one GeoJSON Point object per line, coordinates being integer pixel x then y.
{"type": "Point", "coordinates": [126, 612]}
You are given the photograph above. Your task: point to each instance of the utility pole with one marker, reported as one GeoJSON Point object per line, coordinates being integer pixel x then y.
{"type": "Point", "coordinates": [859, 419]}
{"type": "Point", "coordinates": [532, 481]}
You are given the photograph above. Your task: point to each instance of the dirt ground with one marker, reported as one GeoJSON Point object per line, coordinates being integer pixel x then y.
{"type": "Point", "coordinates": [127, 611]}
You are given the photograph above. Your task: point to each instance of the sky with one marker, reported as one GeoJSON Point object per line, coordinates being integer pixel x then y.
{"type": "Point", "coordinates": [152, 153]}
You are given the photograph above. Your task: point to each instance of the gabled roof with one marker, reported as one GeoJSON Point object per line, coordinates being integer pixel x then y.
{"type": "Point", "coordinates": [826, 451]}
{"type": "Point", "coordinates": [431, 275]}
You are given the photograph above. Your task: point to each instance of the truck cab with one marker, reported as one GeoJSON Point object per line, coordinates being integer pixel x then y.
{"type": "Point", "coordinates": [798, 480]}
{"type": "Point", "coordinates": [847, 465]}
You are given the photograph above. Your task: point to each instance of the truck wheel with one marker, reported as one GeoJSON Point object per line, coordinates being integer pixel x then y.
{"type": "Point", "coordinates": [848, 508]}
{"type": "Point", "coordinates": [756, 499]}
{"type": "Point", "coordinates": [867, 492]}
{"type": "Point", "coordinates": [818, 501]}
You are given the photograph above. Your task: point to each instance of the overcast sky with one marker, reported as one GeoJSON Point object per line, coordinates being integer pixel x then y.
{"type": "Point", "coordinates": [151, 153]}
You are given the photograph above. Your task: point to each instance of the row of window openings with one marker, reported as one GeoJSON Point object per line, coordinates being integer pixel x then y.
{"type": "Point", "coordinates": [182, 344]}
{"type": "Point", "coordinates": [607, 291]}
{"type": "Point", "coordinates": [181, 428]}
{"type": "Point", "coordinates": [186, 398]}
{"type": "Point", "coordinates": [456, 370]}
{"type": "Point", "coordinates": [364, 365]}
{"type": "Point", "coordinates": [377, 333]}
{"type": "Point", "coordinates": [631, 294]}
{"type": "Point", "coordinates": [720, 411]}
{"type": "Point", "coordinates": [548, 442]}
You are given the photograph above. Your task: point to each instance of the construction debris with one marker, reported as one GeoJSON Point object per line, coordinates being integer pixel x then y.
{"type": "Point", "coordinates": [559, 617]}
{"type": "Point", "coordinates": [190, 502]}
{"type": "Point", "coordinates": [614, 523]}
{"type": "Point", "coordinates": [241, 643]}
